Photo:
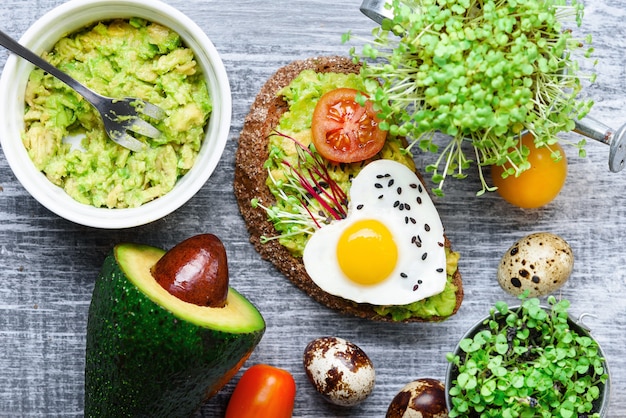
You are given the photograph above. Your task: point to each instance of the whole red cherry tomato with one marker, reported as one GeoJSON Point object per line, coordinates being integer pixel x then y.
{"type": "Point", "coordinates": [263, 391]}
{"type": "Point", "coordinates": [344, 131]}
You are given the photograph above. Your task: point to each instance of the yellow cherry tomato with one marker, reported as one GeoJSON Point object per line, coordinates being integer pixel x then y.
{"type": "Point", "coordinates": [539, 184]}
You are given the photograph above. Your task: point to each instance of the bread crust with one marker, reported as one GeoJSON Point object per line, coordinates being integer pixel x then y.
{"type": "Point", "coordinates": [250, 177]}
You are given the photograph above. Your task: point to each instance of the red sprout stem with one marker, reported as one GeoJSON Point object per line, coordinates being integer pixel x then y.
{"type": "Point", "coordinates": [332, 198]}
{"type": "Point", "coordinates": [306, 207]}
{"type": "Point", "coordinates": [337, 194]}
{"type": "Point", "coordinates": [311, 190]}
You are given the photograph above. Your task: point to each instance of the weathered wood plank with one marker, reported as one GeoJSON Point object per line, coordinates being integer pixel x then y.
{"type": "Point", "coordinates": [48, 265]}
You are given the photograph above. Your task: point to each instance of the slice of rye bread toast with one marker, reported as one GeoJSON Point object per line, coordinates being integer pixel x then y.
{"type": "Point", "coordinates": [250, 177]}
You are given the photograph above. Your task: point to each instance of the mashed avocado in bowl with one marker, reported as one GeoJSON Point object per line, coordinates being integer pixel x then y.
{"type": "Point", "coordinates": [53, 141]}
{"type": "Point", "coordinates": [118, 58]}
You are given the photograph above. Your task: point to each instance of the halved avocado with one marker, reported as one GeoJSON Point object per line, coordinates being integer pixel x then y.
{"type": "Point", "coordinates": [151, 354]}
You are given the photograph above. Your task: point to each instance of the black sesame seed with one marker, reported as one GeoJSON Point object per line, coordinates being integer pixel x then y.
{"type": "Point", "coordinates": [359, 207]}
{"type": "Point", "coordinates": [380, 196]}
{"type": "Point", "coordinates": [424, 256]}
{"type": "Point", "coordinates": [440, 244]}
{"type": "Point", "coordinates": [416, 287]}
{"type": "Point", "coordinates": [403, 275]}
{"type": "Point", "coordinates": [419, 200]}
{"type": "Point", "coordinates": [413, 221]}
{"type": "Point", "coordinates": [399, 190]}
{"type": "Point", "coordinates": [419, 282]}
{"type": "Point", "coordinates": [379, 176]}
{"type": "Point", "coordinates": [413, 239]}
{"type": "Point", "coordinates": [401, 206]}
{"type": "Point", "coordinates": [440, 270]}
{"type": "Point", "coordinates": [390, 183]}
{"type": "Point", "coordinates": [378, 185]}
{"type": "Point", "coordinates": [413, 186]}
{"type": "Point", "coordinates": [407, 207]}
{"type": "Point", "coordinates": [396, 203]}
{"type": "Point", "coordinates": [419, 188]}
{"type": "Point", "coordinates": [406, 220]}
{"type": "Point", "coordinates": [426, 227]}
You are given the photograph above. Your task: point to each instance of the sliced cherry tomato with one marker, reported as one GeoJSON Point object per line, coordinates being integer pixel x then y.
{"type": "Point", "coordinates": [539, 184]}
{"type": "Point", "coordinates": [263, 391]}
{"type": "Point", "coordinates": [344, 131]}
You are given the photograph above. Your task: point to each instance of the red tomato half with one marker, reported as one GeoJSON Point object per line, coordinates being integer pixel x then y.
{"type": "Point", "coordinates": [344, 131]}
{"type": "Point", "coordinates": [538, 185]}
{"type": "Point", "coordinates": [263, 391]}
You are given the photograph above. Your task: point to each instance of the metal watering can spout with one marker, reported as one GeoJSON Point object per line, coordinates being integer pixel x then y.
{"type": "Point", "coordinates": [586, 126]}
{"type": "Point", "coordinates": [615, 139]}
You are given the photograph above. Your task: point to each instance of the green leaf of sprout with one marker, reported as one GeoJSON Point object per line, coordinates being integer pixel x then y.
{"type": "Point", "coordinates": [479, 72]}
{"type": "Point", "coordinates": [527, 363]}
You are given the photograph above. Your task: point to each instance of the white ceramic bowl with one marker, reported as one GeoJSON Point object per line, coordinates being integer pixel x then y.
{"type": "Point", "coordinates": [67, 18]}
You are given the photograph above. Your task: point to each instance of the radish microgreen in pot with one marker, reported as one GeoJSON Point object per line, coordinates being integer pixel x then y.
{"type": "Point", "coordinates": [478, 71]}
{"type": "Point", "coordinates": [527, 361]}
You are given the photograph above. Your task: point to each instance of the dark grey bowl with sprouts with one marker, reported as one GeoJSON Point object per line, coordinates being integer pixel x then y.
{"type": "Point", "coordinates": [532, 360]}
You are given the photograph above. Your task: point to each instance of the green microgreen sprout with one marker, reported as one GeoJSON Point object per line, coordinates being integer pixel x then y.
{"type": "Point", "coordinates": [304, 183]}
{"type": "Point", "coordinates": [527, 362]}
{"type": "Point", "coordinates": [479, 71]}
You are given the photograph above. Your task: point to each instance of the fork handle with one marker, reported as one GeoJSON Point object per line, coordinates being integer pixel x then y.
{"type": "Point", "coordinates": [13, 46]}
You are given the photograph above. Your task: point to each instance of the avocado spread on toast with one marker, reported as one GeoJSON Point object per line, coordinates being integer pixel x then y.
{"type": "Point", "coordinates": [295, 214]}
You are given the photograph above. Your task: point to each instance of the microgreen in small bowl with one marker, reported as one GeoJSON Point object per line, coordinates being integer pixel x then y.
{"type": "Point", "coordinates": [478, 71]}
{"type": "Point", "coordinates": [527, 361]}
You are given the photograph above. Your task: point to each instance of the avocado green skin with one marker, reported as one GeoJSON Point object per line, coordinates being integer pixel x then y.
{"type": "Point", "coordinates": [142, 361]}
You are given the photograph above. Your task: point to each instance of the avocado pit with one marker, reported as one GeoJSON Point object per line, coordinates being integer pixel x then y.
{"type": "Point", "coordinates": [195, 271]}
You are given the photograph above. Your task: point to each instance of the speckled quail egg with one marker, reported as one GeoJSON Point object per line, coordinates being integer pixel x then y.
{"type": "Point", "coordinates": [539, 263]}
{"type": "Point", "coordinates": [339, 370]}
{"type": "Point", "coordinates": [422, 398]}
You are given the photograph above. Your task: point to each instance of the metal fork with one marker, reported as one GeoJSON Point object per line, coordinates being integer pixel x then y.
{"type": "Point", "coordinates": [586, 126]}
{"type": "Point", "coordinates": [118, 115]}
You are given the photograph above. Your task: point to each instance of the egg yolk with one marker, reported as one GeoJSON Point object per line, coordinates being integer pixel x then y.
{"type": "Point", "coordinates": [366, 252]}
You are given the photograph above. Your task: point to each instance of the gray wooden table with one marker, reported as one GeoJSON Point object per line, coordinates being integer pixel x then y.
{"type": "Point", "coordinates": [48, 265]}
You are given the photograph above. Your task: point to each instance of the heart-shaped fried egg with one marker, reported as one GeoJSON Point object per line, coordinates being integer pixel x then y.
{"type": "Point", "coordinates": [389, 250]}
